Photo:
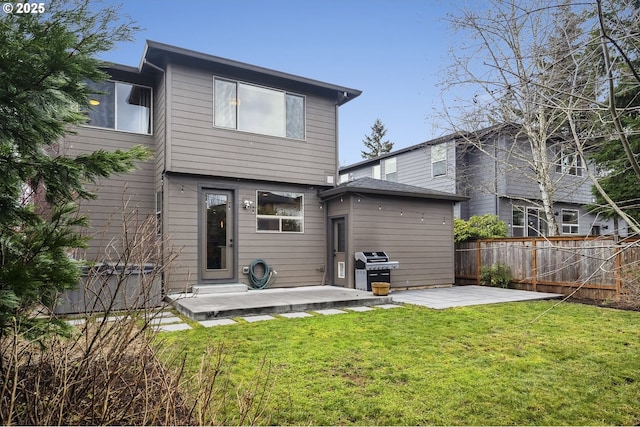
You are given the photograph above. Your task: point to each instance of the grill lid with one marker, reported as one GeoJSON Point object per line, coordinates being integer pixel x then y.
{"type": "Point", "coordinates": [371, 257]}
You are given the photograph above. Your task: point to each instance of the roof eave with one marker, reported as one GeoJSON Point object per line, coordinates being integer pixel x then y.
{"type": "Point", "coordinates": [343, 94]}
{"type": "Point", "coordinates": [340, 190]}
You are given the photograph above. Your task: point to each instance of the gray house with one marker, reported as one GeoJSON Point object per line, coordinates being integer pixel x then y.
{"type": "Point", "coordinates": [244, 168]}
{"type": "Point", "coordinates": [496, 180]}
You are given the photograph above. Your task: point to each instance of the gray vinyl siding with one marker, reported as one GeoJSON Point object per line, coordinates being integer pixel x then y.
{"type": "Point", "coordinates": [520, 181]}
{"type": "Point", "coordinates": [423, 248]}
{"type": "Point", "coordinates": [136, 189]}
{"type": "Point", "coordinates": [298, 258]}
{"type": "Point", "coordinates": [180, 231]}
{"type": "Point", "coordinates": [159, 128]}
{"type": "Point", "coordinates": [480, 174]}
{"type": "Point", "coordinates": [197, 147]}
{"type": "Point", "coordinates": [446, 182]}
{"type": "Point", "coordinates": [413, 168]}
{"type": "Point", "coordinates": [573, 189]}
{"type": "Point", "coordinates": [364, 172]}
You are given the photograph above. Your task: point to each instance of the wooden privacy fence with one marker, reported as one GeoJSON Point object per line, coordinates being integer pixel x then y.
{"type": "Point", "coordinates": [595, 267]}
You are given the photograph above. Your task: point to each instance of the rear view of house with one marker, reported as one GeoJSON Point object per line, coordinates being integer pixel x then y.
{"type": "Point", "coordinates": [244, 162]}
{"type": "Point", "coordinates": [240, 155]}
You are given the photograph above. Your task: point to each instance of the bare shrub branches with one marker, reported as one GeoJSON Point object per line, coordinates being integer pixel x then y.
{"type": "Point", "coordinates": [113, 368]}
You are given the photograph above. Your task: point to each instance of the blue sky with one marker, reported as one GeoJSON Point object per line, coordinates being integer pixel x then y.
{"type": "Point", "coordinates": [394, 51]}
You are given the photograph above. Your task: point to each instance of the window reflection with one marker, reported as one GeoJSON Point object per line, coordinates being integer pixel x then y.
{"type": "Point", "coordinates": [120, 106]}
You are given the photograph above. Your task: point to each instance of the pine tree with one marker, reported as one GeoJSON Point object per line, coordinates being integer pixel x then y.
{"type": "Point", "coordinates": [46, 60]}
{"type": "Point", "coordinates": [616, 174]}
{"type": "Point", "coordinates": [374, 143]}
{"type": "Point", "coordinates": [613, 158]}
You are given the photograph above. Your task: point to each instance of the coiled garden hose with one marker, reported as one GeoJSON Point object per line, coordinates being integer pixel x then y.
{"type": "Point", "coordinates": [259, 282]}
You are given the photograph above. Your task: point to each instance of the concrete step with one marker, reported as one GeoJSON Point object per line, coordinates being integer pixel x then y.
{"type": "Point", "coordinates": [224, 288]}
{"type": "Point", "coordinates": [273, 301]}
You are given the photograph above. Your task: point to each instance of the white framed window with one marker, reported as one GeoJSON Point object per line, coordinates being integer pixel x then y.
{"type": "Point", "coordinates": [120, 106]}
{"type": "Point", "coordinates": [517, 221]}
{"type": "Point", "coordinates": [376, 172]}
{"type": "Point", "coordinates": [280, 212]}
{"type": "Point", "coordinates": [536, 223]}
{"type": "Point", "coordinates": [570, 221]}
{"type": "Point", "coordinates": [391, 170]}
{"type": "Point", "coordinates": [438, 160]}
{"type": "Point", "coordinates": [528, 222]}
{"type": "Point", "coordinates": [569, 163]}
{"type": "Point", "coordinates": [257, 109]}
{"type": "Point", "coordinates": [341, 270]}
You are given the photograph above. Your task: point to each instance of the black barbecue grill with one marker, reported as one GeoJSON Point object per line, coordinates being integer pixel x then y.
{"type": "Point", "coordinates": [373, 267]}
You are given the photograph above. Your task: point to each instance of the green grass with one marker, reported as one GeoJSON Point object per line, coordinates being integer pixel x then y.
{"type": "Point", "coordinates": [484, 365]}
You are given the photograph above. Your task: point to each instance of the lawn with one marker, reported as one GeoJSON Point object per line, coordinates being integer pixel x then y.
{"type": "Point", "coordinates": [483, 365]}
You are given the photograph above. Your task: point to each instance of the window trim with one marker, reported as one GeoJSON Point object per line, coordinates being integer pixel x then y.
{"type": "Point", "coordinates": [238, 103]}
{"type": "Point", "coordinates": [115, 108]}
{"type": "Point", "coordinates": [540, 229]}
{"type": "Point", "coordinates": [280, 217]}
{"type": "Point", "coordinates": [571, 226]}
{"type": "Point", "coordinates": [387, 163]}
{"type": "Point", "coordinates": [575, 164]}
{"type": "Point", "coordinates": [521, 227]}
{"type": "Point", "coordinates": [376, 171]}
{"type": "Point", "coordinates": [444, 147]}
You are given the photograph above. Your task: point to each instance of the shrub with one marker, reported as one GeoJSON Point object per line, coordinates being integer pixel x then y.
{"type": "Point", "coordinates": [479, 227]}
{"type": "Point", "coordinates": [113, 369]}
{"type": "Point", "coordinates": [498, 275]}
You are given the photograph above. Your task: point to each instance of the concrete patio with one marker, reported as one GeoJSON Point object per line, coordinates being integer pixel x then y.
{"type": "Point", "coordinates": [312, 298]}
{"type": "Point", "coordinates": [271, 301]}
{"type": "Point", "coordinates": [459, 296]}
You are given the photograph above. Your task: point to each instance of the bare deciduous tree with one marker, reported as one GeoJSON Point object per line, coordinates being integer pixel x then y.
{"type": "Point", "coordinates": [521, 66]}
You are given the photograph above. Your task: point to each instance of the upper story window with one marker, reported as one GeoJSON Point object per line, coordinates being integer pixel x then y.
{"type": "Point", "coordinates": [569, 163]}
{"type": "Point", "coordinates": [258, 109]}
{"type": "Point", "coordinates": [376, 171]}
{"type": "Point", "coordinates": [346, 177]}
{"type": "Point", "coordinates": [391, 170]}
{"type": "Point", "coordinates": [438, 160]}
{"type": "Point", "coordinates": [120, 106]}
{"type": "Point", "coordinates": [280, 211]}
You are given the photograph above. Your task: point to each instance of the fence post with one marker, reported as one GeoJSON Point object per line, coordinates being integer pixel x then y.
{"type": "Point", "coordinates": [534, 267]}
{"type": "Point", "coordinates": [618, 264]}
{"type": "Point", "coordinates": [479, 261]}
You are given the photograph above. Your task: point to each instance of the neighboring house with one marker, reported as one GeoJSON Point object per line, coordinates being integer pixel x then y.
{"type": "Point", "coordinates": [244, 168]}
{"type": "Point", "coordinates": [496, 181]}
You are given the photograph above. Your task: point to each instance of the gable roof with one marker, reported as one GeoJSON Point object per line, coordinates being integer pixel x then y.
{"type": "Point", "coordinates": [387, 188]}
{"type": "Point", "coordinates": [159, 54]}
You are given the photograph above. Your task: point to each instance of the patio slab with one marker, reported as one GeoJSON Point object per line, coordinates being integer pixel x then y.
{"type": "Point", "coordinates": [460, 296]}
{"type": "Point", "coordinates": [272, 301]}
